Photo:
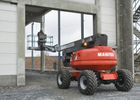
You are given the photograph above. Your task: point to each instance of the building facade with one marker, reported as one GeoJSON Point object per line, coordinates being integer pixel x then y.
{"type": "Point", "coordinates": [15, 14]}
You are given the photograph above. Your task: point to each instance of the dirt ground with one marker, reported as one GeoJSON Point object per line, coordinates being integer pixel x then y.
{"type": "Point", "coordinates": [44, 87]}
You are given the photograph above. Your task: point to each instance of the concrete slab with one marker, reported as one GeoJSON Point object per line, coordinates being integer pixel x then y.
{"type": "Point", "coordinates": [8, 80]}
{"type": "Point", "coordinates": [44, 87]}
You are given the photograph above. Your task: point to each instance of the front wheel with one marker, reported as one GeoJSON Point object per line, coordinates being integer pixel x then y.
{"type": "Point", "coordinates": [87, 82]}
{"type": "Point", "coordinates": [124, 81]}
{"type": "Point", "coordinates": [63, 79]}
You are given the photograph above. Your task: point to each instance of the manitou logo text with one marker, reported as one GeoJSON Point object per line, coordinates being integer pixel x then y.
{"type": "Point", "coordinates": [106, 54]}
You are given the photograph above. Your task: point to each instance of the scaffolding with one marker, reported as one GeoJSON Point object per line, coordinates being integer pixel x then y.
{"type": "Point", "coordinates": [136, 25]}
{"type": "Point", "coordinates": [136, 31]}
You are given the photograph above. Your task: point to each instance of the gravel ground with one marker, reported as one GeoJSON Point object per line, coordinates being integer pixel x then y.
{"type": "Point", "coordinates": [44, 87]}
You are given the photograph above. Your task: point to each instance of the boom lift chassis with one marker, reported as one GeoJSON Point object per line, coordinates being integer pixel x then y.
{"type": "Point", "coordinates": [91, 58]}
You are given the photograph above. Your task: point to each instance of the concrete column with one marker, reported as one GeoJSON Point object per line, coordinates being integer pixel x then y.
{"type": "Point", "coordinates": [125, 35]}
{"type": "Point", "coordinates": [32, 51]}
{"type": "Point", "coordinates": [97, 17]}
{"type": "Point", "coordinates": [94, 24]}
{"type": "Point", "coordinates": [43, 52]}
{"type": "Point", "coordinates": [21, 45]}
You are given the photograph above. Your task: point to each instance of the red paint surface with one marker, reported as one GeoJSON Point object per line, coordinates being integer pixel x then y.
{"type": "Point", "coordinates": [88, 59]}
{"type": "Point", "coordinates": [75, 74]}
{"type": "Point", "coordinates": [108, 76]}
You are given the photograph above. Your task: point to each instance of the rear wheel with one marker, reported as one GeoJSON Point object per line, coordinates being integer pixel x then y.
{"type": "Point", "coordinates": [63, 79]}
{"type": "Point", "coordinates": [87, 82]}
{"type": "Point", "coordinates": [124, 81]}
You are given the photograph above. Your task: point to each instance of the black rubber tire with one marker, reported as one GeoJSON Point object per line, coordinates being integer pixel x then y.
{"type": "Point", "coordinates": [90, 82]}
{"type": "Point", "coordinates": [124, 81]}
{"type": "Point", "coordinates": [63, 79]}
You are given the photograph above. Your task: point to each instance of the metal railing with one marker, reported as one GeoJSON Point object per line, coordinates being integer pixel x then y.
{"type": "Point", "coordinates": [49, 40]}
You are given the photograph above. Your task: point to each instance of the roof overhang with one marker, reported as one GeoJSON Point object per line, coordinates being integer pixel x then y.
{"type": "Point", "coordinates": [35, 13]}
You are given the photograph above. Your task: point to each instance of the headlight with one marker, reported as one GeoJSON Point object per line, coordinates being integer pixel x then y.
{"type": "Point", "coordinates": [85, 44]}
{"type": "Point", "coordinates": [74, 57]}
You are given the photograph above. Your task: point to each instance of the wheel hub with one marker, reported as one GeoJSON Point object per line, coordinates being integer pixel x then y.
{"type": "Point", "coordinates": [120, 80]}
{"type": "Point", "coordinates": [60, 79]}
{"type": "Point", "coordinates": [83, 82]}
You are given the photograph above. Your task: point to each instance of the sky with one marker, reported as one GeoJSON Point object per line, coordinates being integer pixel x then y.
{"type": "Point", "coordinates": [70, 28]}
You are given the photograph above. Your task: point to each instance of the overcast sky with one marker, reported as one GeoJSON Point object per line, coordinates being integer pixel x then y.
{"type": "Point", "coordinates": [70, 28]}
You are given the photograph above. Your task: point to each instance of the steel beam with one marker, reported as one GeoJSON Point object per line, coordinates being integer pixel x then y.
{"type": "Point", "coordinates": [82, 26]}
{"type": "Point", "coordinates": [32, 45]}
{"type": "Point", "coordinates": [59, 39]}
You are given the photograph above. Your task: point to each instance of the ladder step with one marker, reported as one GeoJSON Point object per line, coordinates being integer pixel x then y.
{"type": "Point", "coordinates": [136, 32]}
{"type": "Point", "coordinates": [136, 15]}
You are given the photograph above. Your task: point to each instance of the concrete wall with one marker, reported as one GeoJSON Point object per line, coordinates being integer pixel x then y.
{"type": "Point", "coordinates": [108, 20]}
{"type": "Point", "coordinates": [84, 1]}
{"type": "Point", "coordinates": [8, 42]}
{"type": "Point", "coordinates": [85, 6]}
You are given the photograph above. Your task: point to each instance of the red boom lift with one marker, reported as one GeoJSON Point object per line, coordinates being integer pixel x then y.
{"type": "Point", "coordinates": [91, 60]}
